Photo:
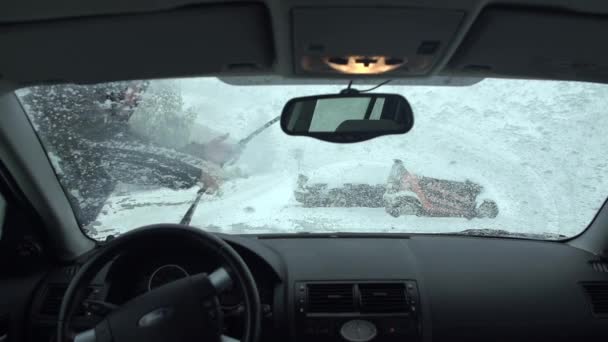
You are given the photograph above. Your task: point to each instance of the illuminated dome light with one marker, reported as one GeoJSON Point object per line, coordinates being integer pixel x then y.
{"type": "Point", "coordinates": [362, 65]}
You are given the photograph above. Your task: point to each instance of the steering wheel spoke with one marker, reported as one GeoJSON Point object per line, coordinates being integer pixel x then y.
{"type": "Point", "coordinates": [226, 338]}
{"type": "Point", "coordinates": [86, 336]}
{"type": "Point", "coordinates": [221, 280]}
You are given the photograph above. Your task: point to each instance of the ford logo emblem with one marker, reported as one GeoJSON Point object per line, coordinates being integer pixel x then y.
{"type": "Point", "coordinates": [154, 317]}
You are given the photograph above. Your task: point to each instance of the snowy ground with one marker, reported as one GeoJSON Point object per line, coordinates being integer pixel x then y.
{"type": "Point", "coordinates": [537, 148]}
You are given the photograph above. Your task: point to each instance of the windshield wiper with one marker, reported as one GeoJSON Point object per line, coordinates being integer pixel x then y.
{"type": "Point", "coordinates": [488, 232]}
{"type": "Point", "coordinates": [188, 215]}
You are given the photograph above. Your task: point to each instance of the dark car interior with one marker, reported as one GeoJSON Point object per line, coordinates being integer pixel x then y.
{"type": "Point", "coordinates": [57, 284]}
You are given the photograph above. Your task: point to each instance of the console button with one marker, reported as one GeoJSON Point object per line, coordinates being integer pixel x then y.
{"type": "Point", "coordinates": [358, 330]}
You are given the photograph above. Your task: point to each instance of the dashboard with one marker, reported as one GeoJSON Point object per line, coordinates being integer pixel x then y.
{"type": "Point", "coordinates": [362, 288]}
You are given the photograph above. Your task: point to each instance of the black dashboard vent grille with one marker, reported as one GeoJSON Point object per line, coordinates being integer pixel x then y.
{"type": "Point", "coordinates": [52, 300]}
{"type": "Point", "coordinates": [599, 265]}
{"type": "Point", "coordinates": [383, 298]}
{"type": "Point", "coordinates": [324, 298]}
{"type": "Point", "coordinates": [70, 271]}
{"type": "Point", "coordinates": [598, 293]}
{"type": "Point", "coordinates": [51, 304]}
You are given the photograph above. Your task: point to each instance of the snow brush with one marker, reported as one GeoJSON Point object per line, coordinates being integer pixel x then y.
{"type": "Point", "coordinates": [240, 147]}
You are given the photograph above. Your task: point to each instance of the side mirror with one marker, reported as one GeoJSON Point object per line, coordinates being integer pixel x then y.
{"type": "Point", "coordinates": [347, 118]}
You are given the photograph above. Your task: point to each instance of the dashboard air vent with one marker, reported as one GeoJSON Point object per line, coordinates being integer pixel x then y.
{"type": "Point", "coordinates": [70, 271]}
{"type": "Point", "coordinates": [53, 297]}
{"type": "Point", "coordinates": [323, 298]}
{"type": "Point", "coordinates": [52, 300]}
{"type": "Point", "coordinates": [599, 265]}
{"type": "Point", "coordinates": [380, 298]}
{"type": "Point", "coordinates": [598, 294]}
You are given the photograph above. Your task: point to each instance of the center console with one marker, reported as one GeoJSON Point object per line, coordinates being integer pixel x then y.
{"type": "Point", "coordinates": [358, 311]}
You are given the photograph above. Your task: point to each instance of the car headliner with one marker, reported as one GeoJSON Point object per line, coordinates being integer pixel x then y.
{"type": "Point", "coordinates": [94, 41]}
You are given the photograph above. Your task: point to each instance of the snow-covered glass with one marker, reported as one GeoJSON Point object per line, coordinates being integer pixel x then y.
{"type": "Point", "coordinates": [500, 157]}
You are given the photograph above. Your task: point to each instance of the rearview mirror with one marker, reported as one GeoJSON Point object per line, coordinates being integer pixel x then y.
{"type": "Point", "coordinates": [347, 117]}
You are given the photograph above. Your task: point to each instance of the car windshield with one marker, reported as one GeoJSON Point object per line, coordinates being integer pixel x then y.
{"type": "Point", "coordinates": [499, 157]}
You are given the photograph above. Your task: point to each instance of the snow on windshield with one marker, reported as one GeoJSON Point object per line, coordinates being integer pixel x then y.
{"type": "Point", "coordinates": [514, 155]}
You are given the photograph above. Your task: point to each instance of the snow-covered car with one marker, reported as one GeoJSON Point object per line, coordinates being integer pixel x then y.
{"type": "Point", "coordinates": [93, 123]}
{"type": "Point", "coordinates": [410, 194]}
{"type": "Point", "coordinates": [400, 192]}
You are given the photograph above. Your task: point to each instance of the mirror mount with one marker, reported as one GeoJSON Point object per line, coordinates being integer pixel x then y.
{"type": "Point", "coordinates": [351, 91]}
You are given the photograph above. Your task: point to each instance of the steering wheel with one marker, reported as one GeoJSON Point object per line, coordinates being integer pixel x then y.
{"type": "Point", "coordinates": [184, 310]}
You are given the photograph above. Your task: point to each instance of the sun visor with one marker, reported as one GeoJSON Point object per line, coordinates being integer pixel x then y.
{"type": "Point", "coordinates": [233, 39]}
{"type": "Point", "coordinates": [534, 44]}
{"type": "Point", "coordinates": [371, 41]}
